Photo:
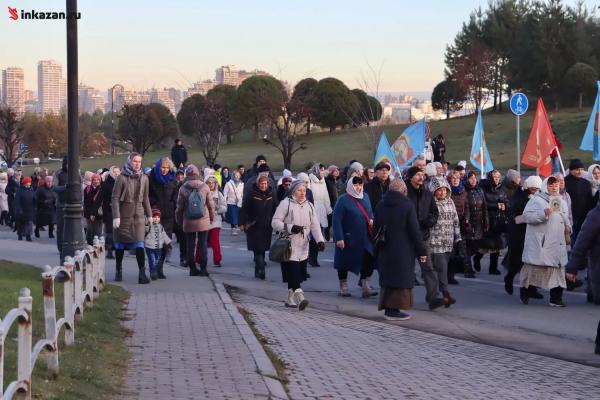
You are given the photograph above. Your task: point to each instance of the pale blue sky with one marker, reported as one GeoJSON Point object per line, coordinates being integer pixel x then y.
{"type": "Point", "coordinates": [143, 44]}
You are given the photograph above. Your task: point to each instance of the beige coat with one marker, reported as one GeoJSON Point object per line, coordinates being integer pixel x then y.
{"type": "Point", "coordinates": [130, 203]}
{"type": "Point", "coordinates": [195, 225]}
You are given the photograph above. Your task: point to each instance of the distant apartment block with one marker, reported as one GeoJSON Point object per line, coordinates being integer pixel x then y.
{"type": "Point", "coordinates": [13, 89]}
{"type": "Point", "coordinates": [90, 99]}
{"type": "Point", "coordinates": [52, 88]}
{"type": "Point", "coordinates": [227, 75]}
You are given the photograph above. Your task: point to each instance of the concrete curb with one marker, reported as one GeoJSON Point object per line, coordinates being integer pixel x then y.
{"type": "Point", "coordinates": [265, 367]}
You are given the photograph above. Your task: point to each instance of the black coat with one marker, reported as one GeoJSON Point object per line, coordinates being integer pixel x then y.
{"type": "Point", "coordinates": [375, 189]}
{"type": "Point", "coordinates": [107, 188]}
{"type": "Point", "coordinates": [516, 232]}
{"type": "Point", "coordinates": [425, 207]}
{"type": "Point", "coordinates": [332, 189]}
{"type": "Point", "coordinates": [494, 239]}
{"type": "Point", "coordinates": [46, 206]}
{"type": "Point", "coordinates": [24, 204]}
{"type": "Point", "coordinates": [403, 241]}
{"type": "Point", "coordinates": [92, 201]}
{"type": "Point", "coordinates": [179, 155]}
{"type": "Point", "coordinates": [11, 190]}
{"type": "Point", "coordinates": [587, 250]}
{"type": "Point", "coordinates": [580, 191]}
{"type": "Point", "coordinates": [164, 197]}
{"type": "Point", "coordinates": [257, 212]}
{"type": "Point", "coordinates": [478, 213]}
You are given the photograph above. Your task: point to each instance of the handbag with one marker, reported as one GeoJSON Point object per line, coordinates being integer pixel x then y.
{"type": "Point", "coordinates": [364, 213]}
{"type": "Point", "coordinates": [380, 237]}
{"type": "Point", "coordinates": [281, 249]}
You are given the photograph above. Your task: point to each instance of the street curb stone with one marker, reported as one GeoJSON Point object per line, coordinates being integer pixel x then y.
{"type": "Point", "coordinates": [264, 364]}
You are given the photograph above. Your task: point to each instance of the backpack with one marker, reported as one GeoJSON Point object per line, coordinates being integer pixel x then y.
{"type": "Point", "coordinates": [194, 208]}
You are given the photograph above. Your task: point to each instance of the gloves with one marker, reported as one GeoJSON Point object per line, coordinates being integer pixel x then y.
{"type": "Point", "coordinates": [116, 223]}
{"type": "Point", "coordinates": [297, 229]}
{"type": "Point", "coordinates": [321, 246]}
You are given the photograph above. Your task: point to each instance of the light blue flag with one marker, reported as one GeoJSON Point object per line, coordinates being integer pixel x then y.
{"type": "Point", "coordinates": [410, 144]}
{"type": "Point", "coordinates": [479, 144]}
{"type": "Point", "coordinates": [590, 140]}
{"type": "Point", "coordinates": [384, 152]}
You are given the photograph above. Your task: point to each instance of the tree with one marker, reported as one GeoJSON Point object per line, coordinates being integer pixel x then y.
{"type": "Point", "coordinates": [92, 139]}
{"type": "Point", "coordinates": [11, 135]}
{"type": "Point", "coordinates": [581, 78]}
{"type": "Point", "coordinates": [333, 104]}
{"type": "Point", "coordinates": [45, 134]}
{"type": "Point", "coordinates": [475, 72]}
{"type": "Point", "coordinates": [447, 96]}
{"type": "Point", "coordinates": [167, 121]}
{"type": "Point", "coordinates": [302, 97]}
{"type": "Point", "coordinates": [222, 96]}
{"type": "Point", "coordinates": [140, 126]}
{"type": "Point", "coordinates": [368, 108]}
{"type": "Point", "coordinates": [254, 100]}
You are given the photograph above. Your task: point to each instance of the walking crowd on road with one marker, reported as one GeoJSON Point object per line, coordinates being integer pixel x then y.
{"type": "Point", "coordinates": [439, 220]}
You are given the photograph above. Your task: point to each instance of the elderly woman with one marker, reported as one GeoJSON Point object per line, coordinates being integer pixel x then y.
{"type": "Point", "coordinates": [297, 216]}
{"type": "Point", "coordinates": [131, 207]}
{"type": "Point", "coordinates": [4, 219]}
{"type": "Point", "coordinates": [494, 239]}
{"type": "Point", "coordinates": [545, 248]}
{"type": "Point", "coordinates": [45, 207]}
{"type": "Point", "coordinates": [318, 186]}
{"type": "Point", "coordinates": [593, 175]}
{"type": "Point", "coordinates": [352, 231]}
{"type": "Point", "coordinates": [255, 219]}
{"type": "Point", "coordinates": [234, 195]}
{"type": "Point", "coordinates": [109, 179]}
{"type": "Point", "coordinates": [92, 209]}
{"type": "Point", "coordinates": [25, 209]}
{"type": "Point", "coordinates": [396, 221]}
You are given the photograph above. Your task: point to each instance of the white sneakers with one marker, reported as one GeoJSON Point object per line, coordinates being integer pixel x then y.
{"type": "Point", "coordinates": [290, 299]}
{"type": "Point", "coordinates": [296, 299]}
{"type": "Point", "coordinates": [235, 231]}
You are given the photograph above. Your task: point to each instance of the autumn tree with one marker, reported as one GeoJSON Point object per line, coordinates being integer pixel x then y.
{"type": "Point", "coordinates": [11, 135]}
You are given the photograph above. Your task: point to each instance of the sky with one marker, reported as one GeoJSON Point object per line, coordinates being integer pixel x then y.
{"type": "Point", "coordinates": [144, 44]}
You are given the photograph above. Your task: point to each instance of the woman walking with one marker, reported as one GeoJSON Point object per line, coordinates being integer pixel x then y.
{"type": "Point", "coordinates": [352, 233]}
{"type": "Point", "coordinates": [234, 195]}
{"type": "Point", "coordinates": [25, 209]}
{"type": "Point", "coordinates": [322, 207]}
{"type": "Point", "coordinates": [545, 250]}
{"type": "Point", "coordinates": [92, 208]}
{"type": "Point", "coordinates": [461, 202]}
{"type": "Point", "coordinates": [4, 219]}
{"type": "Point", "coordinates": [396, 220]}
{"type": "Point", "coordinates": [45, 207]}
{"type": "Point", "coordinates": [215, 228]}
{"type": "Point", "coordinates": [110, 177]}
{"type": "Point", "coordinates": [195, 213]}
{"type": "Point", "coordinates": [296, 216]}
{"type": "Point", "coordinates": [131, 208]}
{"type": "Point", "coordinates": [494, 239]}
{"type": "Point", "coordinates": [255, 219]}
{"type": "Point", "coordinates": [478, 220]}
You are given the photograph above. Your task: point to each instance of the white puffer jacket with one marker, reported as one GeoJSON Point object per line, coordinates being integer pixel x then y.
{"type": "Point", "coordinates": [220, 208]}
{"type": "Point", "coordinates": [3, 197]}
{"type": "Point", "coordinates": [321, 198]}
{"type": "Point", "coordinates": [545, 243]}
{"type": "Point", "coordinates": [234, 194]}
{"type": "Point", "coordinates": [290, 213]}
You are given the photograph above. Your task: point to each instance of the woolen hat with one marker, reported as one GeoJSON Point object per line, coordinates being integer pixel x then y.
{"type": "Point", "coordinates": [260, 157]}
{"type": "Point", "coordinates": [155, 212]}
{"type": "Point", "coordinates": [382, 165]}
{"type": "Point", "coordinates": [576, 163]}
{"type": "Point", "coordinates": [412, 171]}
{"type": "Point", "coordinates": [263, 168]}
{"type": "Point", "coordinates": [26, 180]}
{"type": "Point", "coordinates": [532, 182]}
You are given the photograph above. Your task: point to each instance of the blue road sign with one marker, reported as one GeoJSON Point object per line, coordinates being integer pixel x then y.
{"type": "Point", "coordinates": [519, 104]}
{"type": "Point", "coordinates": [22, 147]}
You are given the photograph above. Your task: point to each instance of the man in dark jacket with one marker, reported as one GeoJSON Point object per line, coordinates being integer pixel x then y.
{"type": "Point", "coordinates": [378, 186]}
{"type": "Point", "coordinates": [253, 172]}
{"type": "Point", "coordinates": [59, 186]}
{"type": "Point", "coordinates": [179, 154]}
{"type": "Point", "coordinates": [427, 215]}
{"type": "Point", "coordinates": [580, 191]}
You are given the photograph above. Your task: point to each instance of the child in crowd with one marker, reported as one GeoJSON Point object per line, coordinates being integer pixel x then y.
{"type": "Point", "coordinates": [155, 240]}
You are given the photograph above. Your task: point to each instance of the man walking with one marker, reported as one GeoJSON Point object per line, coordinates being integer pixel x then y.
{"type": "Point", "coordinates": [179, 154]}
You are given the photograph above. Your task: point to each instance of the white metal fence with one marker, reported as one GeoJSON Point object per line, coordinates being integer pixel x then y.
{"type": "Point", "coordinates": [83, 277]}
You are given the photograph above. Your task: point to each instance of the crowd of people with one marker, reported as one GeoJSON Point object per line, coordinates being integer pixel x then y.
{"type": "Point", "coordinates": [439, 219]}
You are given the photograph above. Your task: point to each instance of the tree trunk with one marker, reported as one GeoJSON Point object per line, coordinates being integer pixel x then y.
{"type": "Point", "coordinates": [256, 133]}
{"type": "Point", "coordinates": [580, 101]}
{"type": "Point", "coordinates": [229, 140]}
{"type": "Point", "coordinates": [495, 106]}
{"type": "Point", "coordinates": [308, 125]}
{"type": "Point", "coordinates": [287, 160]}
{"type": "Point", "coordinates": [448, 110]}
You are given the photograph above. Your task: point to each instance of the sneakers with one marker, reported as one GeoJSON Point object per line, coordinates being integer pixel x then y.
{"type": "Point", "coordinates": [395, 315]}
{"type": "Point", "coordinates": [300, 300]}
{"type": "Point", "coordinates": [556, 303]}
{"type": "Point", "coordinates": [235, 231]}
{"type": "Point", "coordinates": [290, 299]}
{"type": "Point", "coordinates": [436, 303]}
{"type": "Point", "coordinates": [344, 292]}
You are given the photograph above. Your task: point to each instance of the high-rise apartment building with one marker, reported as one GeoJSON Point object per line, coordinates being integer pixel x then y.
{"type": "Point", "coordinates": [13, 89]}
{"type": "Point", "coordinates": [52, 90]}
{"type": "Point", "coordinates": [90, 99]}
{"type": "Point", "coordinates": [227, 75]}
{"type": "Point", "coordinates": [162, 96]}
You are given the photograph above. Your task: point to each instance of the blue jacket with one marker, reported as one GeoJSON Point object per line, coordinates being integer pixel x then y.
{"type": "Point", "coordinates": [350, 225]}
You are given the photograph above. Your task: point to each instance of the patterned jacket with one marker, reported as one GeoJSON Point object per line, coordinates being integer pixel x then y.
{"type": "Point", "coordinates": [446, 231]}
{"type": "Point", "coordinates": [156, 237]}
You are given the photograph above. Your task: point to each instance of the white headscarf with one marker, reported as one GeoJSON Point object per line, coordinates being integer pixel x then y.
{"type": "Point", "coordinates": [352, 192]}
{"type": "Point", "coordinates": [589, 175]}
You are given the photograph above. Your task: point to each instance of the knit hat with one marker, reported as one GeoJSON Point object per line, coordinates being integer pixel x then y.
{"type": "Point", "coordinates": [412, 171]}
{"type": "Point", "coordinates": [286, 179]}
{"type": "Point", "coordinates": [575, 163]}
{"type": "Point", "coordinates": [512, 175]}
{"type": "Point", "coordinates": [26, 180]}
{"type": "Point", "coordinates": [430, 169]}
{"type": "Point", "coordinates": [287, 173]}
{"type": "Point", "coordinates": [260, 157]}
{"type": "Point", "coordinates": [398, 185]}
{"type": "Point", "coordinates": [533, 182]}
{"type": "Point", "coordinates": [382, 165]}
{"type": "Point", "coordinates": [332, 169]}
{"type": "Point", "coordinates": [463, 164]}
{"type": "Point", "coordinates": [155, 212]}
{"type": "Point", "coordinates": [263, 168]}
{"type": "Point", "coordinates": [303, 177]}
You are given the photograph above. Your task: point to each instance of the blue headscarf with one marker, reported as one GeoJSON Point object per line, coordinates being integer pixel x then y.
{"type": "Point", "coordinates": [160, 178]}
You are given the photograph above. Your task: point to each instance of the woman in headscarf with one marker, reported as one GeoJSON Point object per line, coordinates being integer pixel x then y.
{"type": "Point", "coordinates": [545, 249]}
{"type": "Point", "coordinates": [396, 222]}
{"type": "Point", "coordinates": [255, 219]}
{"type": "Point", "coordinates": [109, 179]}
{"type": "Point", "coordinates": [593, 175]}
{"type": "Point", "coordinates": [297, 216]}
{"type": "Point", "coordinates": [163, 196]}
{"type": "Point", "coordinates": [92, 208]}
{"type": "Point", "coordinates": [25, 209]}
{"type": "Point", "coordinates": [352, 234]}
{"type": "Point", "coordinates": [214, 233]}
{"type": "Point", "coordinates": [131, 208]}
{"type": "Point", "coordinates": [322, 206]}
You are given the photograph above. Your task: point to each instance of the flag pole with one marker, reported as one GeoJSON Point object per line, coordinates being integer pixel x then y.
{"type": "Point", "coordinates": [482, 162]}
{"type": "Point", "coordinates": [562, 166]}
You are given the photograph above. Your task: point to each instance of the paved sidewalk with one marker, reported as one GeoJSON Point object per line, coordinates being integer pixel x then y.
{"type": "Point", "coordinates": [333, 356]}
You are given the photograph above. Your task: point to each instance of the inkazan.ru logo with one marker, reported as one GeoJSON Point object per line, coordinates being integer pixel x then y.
{"type": "Point", "coordinates": [14, 14]}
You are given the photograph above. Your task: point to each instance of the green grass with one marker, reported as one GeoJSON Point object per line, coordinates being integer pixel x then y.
{"type": "Point", "coordinates": [341, 146]}
{"type": "Point", "coordinates": [94, 368]}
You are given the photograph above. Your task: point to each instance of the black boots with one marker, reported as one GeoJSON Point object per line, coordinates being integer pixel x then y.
{"type": "Point", "coordinates": [109, 254]}
{"type": "Point", "coordinates": [477, 261]}
{"type": "Point", "coordinates": [160, 273]}
{"type": "Point", "coordinates": [119, 274]}
{"type": "Point", "coordinates": [598, 339]}
{"type": "Point", "coordinates": [259, 266]}
{"type": "Point", "coordinates": [36, 232]}
{"type": "Point", "coordinates": [51, 232]}
{"type": "Point", "coordinates": [494, 263]}
{"type": "Point", "coordinates": [142, 278]}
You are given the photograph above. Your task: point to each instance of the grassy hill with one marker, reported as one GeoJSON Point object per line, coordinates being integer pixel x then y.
{"type": "Point", "coordinates": [341, 146]}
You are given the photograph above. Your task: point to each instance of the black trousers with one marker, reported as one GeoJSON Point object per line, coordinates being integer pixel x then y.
{"type": "Point", "coordinates": [190, 245]}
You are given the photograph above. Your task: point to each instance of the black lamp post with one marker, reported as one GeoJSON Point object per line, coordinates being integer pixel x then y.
{"type": "Point", "coordinates": [73, 239]}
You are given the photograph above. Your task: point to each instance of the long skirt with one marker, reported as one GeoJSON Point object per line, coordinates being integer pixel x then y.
{"type": "Point", "coordinates": [395, 298]}
{"type": "Point", "coordinates": [293, 271]}
{"type": "Point", "coordinates": [543, 277]}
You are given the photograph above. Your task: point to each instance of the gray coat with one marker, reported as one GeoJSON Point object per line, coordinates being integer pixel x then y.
{"type": "Point", "coordinates": [130, 203]}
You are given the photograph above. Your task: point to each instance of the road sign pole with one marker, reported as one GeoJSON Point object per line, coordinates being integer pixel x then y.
{"type": "Point", "coordinates": [519, 144]}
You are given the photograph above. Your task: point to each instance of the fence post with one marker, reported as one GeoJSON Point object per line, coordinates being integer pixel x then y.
{"type": "Point", "coordinates": [78, 286]}
{"type": "Point", "coordinates": [24, 343]}
{"type": "Point", "coordinates": [69, 300]}
{"type": "Point", "coordinates": [1, 363]}
{"type": "Point", "coordinates": [50, 318]}
{"type": "Point", "coordinates": [88, 265]}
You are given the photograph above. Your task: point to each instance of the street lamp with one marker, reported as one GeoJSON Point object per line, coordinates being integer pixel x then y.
{"type": "Point", "coordinates": [112, 117]}
{"type": "Point", "coordinates": [73, 227]}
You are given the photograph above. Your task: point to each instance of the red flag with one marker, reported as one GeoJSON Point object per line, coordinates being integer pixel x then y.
{"type": "Point", "coordinates": [541, 143]}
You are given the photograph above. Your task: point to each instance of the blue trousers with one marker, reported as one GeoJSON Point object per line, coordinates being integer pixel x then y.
{"type": "Point", "coordinates": [153, 259]}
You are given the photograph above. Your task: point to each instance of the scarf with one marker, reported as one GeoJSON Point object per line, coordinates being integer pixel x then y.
{"type": "Point", "coordinates": [457, 189]}
{"type": "Point", "coordinates": [128, 169]}
{"type": "Point", "coordinates": [160, 178]}
{"type": "Point", "coordinates": [352, 192]}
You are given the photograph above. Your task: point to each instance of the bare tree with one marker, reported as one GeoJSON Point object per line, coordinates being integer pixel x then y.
{"type": "Point", "coordinates": [286, 125]}
{"type": "Point", "coordinates": [475, 73]}
{"type": "Point", "coordinates": [11, 135]}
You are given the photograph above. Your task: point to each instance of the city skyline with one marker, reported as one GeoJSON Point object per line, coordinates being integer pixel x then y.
{"type": "Point", "coordinates": [187, 40]}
